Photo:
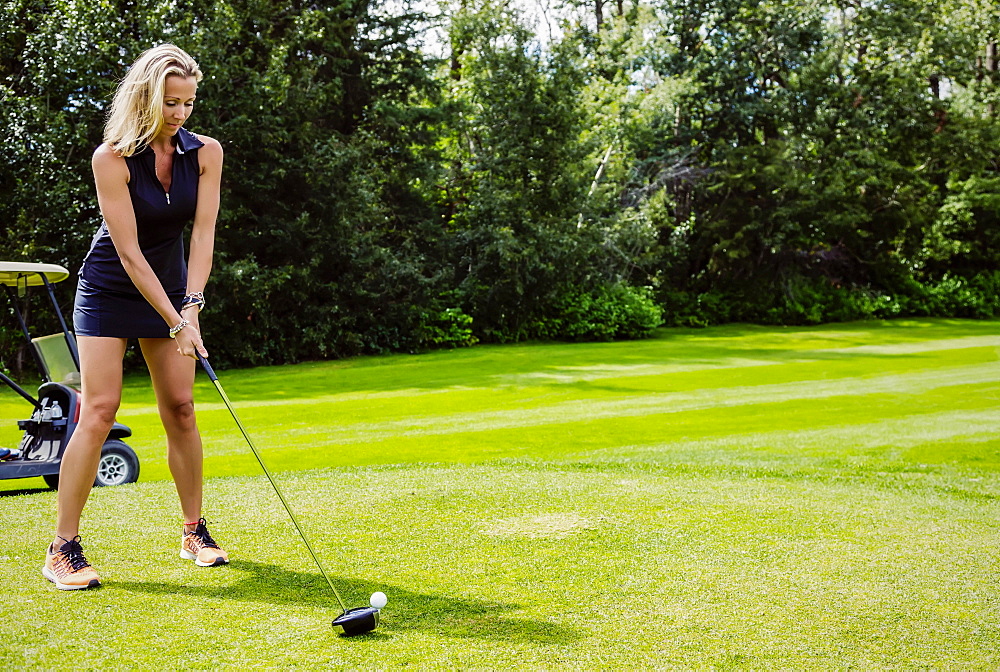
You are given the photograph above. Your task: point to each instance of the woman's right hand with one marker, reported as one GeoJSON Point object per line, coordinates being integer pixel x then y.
{"type": "Point", "coordinates": [189, 341]}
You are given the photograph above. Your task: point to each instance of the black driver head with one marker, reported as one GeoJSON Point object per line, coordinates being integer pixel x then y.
{"type": "Point", "coordinates": [356, 621]}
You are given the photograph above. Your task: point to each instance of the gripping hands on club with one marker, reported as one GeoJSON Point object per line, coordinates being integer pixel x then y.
{"type": "Point", "coordinates": [188, 340]}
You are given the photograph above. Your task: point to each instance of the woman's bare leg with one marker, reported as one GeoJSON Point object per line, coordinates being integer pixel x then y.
{"type": "Point", "coordinates": [173, 382]}
{"type": "Point", "coordinates": [101, 392]}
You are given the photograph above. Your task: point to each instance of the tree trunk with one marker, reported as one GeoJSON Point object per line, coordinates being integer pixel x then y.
{"type": "Point", "coordinates": [599, 12]}
{"type": "Point", "coordinates": [457, 49]}
{"type": "Point", "coordinates": [456, 66]}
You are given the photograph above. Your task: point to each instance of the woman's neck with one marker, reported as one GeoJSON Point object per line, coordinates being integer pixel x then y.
{"type": "Point", "coordinates": [162, 145]}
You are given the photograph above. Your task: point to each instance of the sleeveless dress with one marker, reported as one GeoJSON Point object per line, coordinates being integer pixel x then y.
{"type": "Point", "coordinates": [107, 302]}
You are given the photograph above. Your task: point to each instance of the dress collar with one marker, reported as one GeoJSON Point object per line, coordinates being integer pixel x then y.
{"type": "Point", "coordinates": [184, 142]}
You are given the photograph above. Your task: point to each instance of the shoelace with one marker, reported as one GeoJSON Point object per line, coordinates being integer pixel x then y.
{"type": "Point", "coordinates": [202, 533]}
{"type": "Point", "coordinates": [74, 553]}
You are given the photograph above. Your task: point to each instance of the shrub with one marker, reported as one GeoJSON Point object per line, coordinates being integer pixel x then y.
{"type": "Point", "coordinates": [954, 296]}
{"type": "Point", "coordinates": [818, 300]}
{"type": "Point", "coordinates": [606, 312]}
{"type": "Point", "coordinates": [448, 328]}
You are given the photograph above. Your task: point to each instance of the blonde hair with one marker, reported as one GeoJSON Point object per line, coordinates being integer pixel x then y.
{"type": "Point", "coordinates": [136, 111]}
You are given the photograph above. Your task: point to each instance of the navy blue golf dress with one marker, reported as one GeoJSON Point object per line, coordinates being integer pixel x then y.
{"type": "Point", "coordinates": [107, 302]}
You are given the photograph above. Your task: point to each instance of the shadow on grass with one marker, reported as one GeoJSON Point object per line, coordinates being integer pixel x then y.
{"type": "Point", "coordinates": [407, 610]}
{"type": "Point", "coordinates": [24, 491]}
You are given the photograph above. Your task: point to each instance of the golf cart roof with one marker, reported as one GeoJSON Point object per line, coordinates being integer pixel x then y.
{"type": "Point", "coordinates": [14, 272]}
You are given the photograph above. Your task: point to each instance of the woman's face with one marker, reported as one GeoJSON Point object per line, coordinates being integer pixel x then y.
{"type": "Point", "coordinates": [178, 103]}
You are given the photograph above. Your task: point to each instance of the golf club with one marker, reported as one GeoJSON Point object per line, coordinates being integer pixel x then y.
{"type": "Point", "coordinates": [356, 621]}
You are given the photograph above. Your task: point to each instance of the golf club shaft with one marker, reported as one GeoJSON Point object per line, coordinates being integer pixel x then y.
{"type": "Point", "coordinates": [277, 490]}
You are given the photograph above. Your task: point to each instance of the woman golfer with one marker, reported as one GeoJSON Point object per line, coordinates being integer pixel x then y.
{"type": "Point", "coordinates": [153, 177]}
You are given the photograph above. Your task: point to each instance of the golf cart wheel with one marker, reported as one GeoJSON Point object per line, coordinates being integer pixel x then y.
{"type": "Point", "coordinates": [119, 464]}
{"type": "Point", "coordinates": [51, 480]}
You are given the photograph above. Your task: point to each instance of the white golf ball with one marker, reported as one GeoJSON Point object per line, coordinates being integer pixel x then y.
{"type": "Point", "coordinates": [378, 600]}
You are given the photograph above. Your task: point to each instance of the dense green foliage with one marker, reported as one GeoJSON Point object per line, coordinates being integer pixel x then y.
{"type": "Point", "coordinates": [679, 161]}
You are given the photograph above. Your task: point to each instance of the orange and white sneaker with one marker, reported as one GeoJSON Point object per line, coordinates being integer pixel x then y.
{"type": "Point", "coordinates": [200, 547]}
{"type": "Point", "coordinates": [68, 569]}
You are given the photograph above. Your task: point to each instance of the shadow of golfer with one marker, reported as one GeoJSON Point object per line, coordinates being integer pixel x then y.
{"type": "Point", "coordinates": [407, 610]}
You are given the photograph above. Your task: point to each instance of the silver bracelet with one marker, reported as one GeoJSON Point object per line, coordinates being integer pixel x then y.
{"type": "Point", "coordinates": [176, 330]}
{"type": "Point", "coordinates": [193, 299]}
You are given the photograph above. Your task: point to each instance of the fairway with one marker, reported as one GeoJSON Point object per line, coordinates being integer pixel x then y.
{"type": "Point", "coordinates": [738, 497]}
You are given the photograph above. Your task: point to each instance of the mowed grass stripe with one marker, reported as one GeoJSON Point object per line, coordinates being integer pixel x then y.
{"type": "Point", "coordinates": [842, 396]}
{"type": "Point", "coordinates": [920, 347]}
{"type": "Point", "coordinates": [694, 438]}
{"type": "Point", "coordinates": [969, 431]}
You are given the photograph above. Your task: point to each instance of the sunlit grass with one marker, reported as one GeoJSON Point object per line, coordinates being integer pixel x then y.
{"type": "Point", "coordinates": [731, 497]}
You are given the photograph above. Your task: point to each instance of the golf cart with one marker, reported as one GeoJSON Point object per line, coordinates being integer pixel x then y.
{"type": "Point", "coordinates": [57, 408]}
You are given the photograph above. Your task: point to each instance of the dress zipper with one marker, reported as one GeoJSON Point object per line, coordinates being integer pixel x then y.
{"type": "Point", "coordinates": [167, 193]}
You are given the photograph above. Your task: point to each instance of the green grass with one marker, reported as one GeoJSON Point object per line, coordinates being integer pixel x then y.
{"type": "Point", "coordinates": [737, 497]}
